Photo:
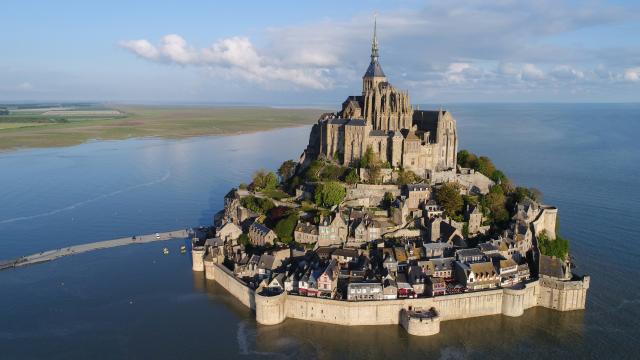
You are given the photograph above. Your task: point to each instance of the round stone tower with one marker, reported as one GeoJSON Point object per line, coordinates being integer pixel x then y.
{"type": "Point", "coordinates": [270, 310]}
{"type": "Point", "coordinates": [197, 256]}
{"type": "Point", "coordinates": [513, 302]}
{"type": "Point", "coordinates": [209, 262]}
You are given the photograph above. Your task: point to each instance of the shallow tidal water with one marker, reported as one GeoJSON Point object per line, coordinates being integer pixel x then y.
{"type": "Point", "coordinates": [133, 302]}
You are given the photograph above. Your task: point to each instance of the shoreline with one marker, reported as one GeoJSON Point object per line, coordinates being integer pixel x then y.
{"type": "Point", "coordinates": [5, 151]}
{"type": "Point", "coordinates": [151, 122]}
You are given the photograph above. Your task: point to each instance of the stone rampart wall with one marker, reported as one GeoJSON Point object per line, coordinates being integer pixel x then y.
{"type": "Point", "coordinates": [553, 294]}
{"type": "Point", "coordinates": [235, 286]}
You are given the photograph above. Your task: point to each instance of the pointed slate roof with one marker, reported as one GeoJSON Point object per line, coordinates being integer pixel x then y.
{"type": "Point", "coordinates": [374, 70]}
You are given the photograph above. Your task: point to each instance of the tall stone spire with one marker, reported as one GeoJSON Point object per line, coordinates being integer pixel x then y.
{"type": "Point", "coordinates": [374, 42]}
{"type": "Point", "coordinates": [374, 69]}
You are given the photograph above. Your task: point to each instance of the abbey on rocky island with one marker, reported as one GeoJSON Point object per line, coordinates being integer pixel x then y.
{"type": "Point", "coordinates": [383, 120]}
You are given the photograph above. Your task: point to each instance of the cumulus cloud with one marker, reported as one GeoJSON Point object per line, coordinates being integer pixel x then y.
{"type": "Point", "coordinates": [495, 46]}
{"type": "Point", "coordinates": [632, 74]}
{"type": "Point", "coordinates": [142, 48]}
{"type": "Point", "coordinates": [235, 55]}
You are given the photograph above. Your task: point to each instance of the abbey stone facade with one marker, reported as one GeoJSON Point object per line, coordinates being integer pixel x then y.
{"type": "Point", "coordinates": [383, 119]}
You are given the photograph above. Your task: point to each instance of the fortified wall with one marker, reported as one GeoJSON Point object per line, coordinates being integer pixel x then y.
{"type": "Point", "coordinates": [270, 310]}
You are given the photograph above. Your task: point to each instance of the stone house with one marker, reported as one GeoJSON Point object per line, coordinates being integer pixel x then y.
{"type": "Point", "coordinates": [389, 288]}
{"type": "Point", "coordinates": [405, 290]}
{"type": "Point", "coordinates": [436, 249]}
{"type": "Point", "coordinates": [276, 285]}
{"type": "Point", "coordinates": [432, 210]}
{"type": "Point", "coordinates": [439, 230]}
{"type": "Point", "coordinates": [344, 256]}
{"type": "Point", "coordinates": [400, 255]}
{"type": "Point", "coordinates": [361, 291]}
{"type": "Point", "coordinates": [553, 267]}
{"type": "Point", "coordinates": [229, 231]}
{"type": "Point", "coordinates": [436, 286]}
{"type": "Point", "coordinates": [265, 266]}
{"type": "Point", "coordinates": [508, 271]}
{"type": "Point", "coordinates": [417, 195]}
{"type": "Point", "coordinates": [417, 279]}
{"type": "Point", "coordinates": [305, 233]}
{"type": "Point", "coordinates": [470, 255]}
{"type": "Point", "coordinates": [443, 267]}
{"type": "Point", "coordinates": [261, 235]}
{"type": "Point", "coordinates": [389, 261]}
{"type": "Point", "coordinates": [473, 216]}
{"type": "Point", "coordinates": [291, 283]}
{"type": "Point", "coordinates": [477, 276]}
{"type": "Point", "coordinates": [328, 280]}
{"type": "Point", "coordinates": [332, 231]}
{"type": "Point", "coordinates": [400, 211]}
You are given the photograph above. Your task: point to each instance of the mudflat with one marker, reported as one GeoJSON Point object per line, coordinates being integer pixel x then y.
{"type": "Point", "coordinates": [131, 121]}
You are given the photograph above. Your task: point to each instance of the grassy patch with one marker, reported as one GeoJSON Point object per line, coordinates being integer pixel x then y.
{"type": "Point", "coordinates": [145, 121]}
{"type": "Point", "coordinates": [275, 194]}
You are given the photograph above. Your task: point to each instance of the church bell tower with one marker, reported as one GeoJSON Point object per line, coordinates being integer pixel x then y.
{"type": "Point", "coordinates": [374, 74]}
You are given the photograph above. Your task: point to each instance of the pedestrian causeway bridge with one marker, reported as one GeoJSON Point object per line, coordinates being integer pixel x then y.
{"type": "Point", "coordinates": [106, 244]}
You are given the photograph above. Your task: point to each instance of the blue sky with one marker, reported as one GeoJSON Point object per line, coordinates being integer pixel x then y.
{"type": "Point", "coordinates": [306, 53]}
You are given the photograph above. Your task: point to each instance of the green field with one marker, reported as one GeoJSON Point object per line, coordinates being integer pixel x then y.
{"type": "Point", "coordinates": [28, 128]}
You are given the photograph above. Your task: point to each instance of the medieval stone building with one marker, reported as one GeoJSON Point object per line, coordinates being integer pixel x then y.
{"type": "Point", "coordinates": [383, 119]}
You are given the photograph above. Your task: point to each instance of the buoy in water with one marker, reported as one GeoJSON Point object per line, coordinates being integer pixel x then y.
{"type": "Point", "coordinates": [165, 251]}
{"type": "Point", "coordinates": [183, 249]}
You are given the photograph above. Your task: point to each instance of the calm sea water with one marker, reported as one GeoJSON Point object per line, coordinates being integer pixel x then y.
{"type": "Point", "coordinates": [133, 302]}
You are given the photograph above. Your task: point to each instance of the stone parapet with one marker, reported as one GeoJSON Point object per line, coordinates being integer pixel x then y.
{"type": "Point", "coordinates": [420, 324]}
{"type": "Point", "coordinates": [563, 295]}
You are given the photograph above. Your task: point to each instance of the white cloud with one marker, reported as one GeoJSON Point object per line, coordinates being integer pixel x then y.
{"type": "Point", "coordinates": [496, 46]}
{"type": "Point", "coordinates": [566, 72]}
{"type": "Point", "coordinates": [632, 74]}
{"type": "Point", "coordinates": [142, 48]}
{"type": "Point", "coordinates": [531, 72]}
{"type": "Point", "coordinates": [234, 56]}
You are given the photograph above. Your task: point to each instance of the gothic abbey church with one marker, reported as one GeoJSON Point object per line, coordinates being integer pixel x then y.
{"type": "Point", "coordinates": [383, 119]}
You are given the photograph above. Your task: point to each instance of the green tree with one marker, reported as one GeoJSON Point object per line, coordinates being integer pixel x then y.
{"type": "Point", "coordinates": [329, 194]}
{"type": "Point", "coordinates": [367, 158]}
{"type": "Point", "coordinates": [270, 181]}
{"type": "Point", "coordinates": [558, 247]}
{"type": "Point", "coordinates": [374, 171]}
{"type": "Point", "coordinates": [485, 166]}
{"type": "Point", "coordinates": [287, 170]}
{"type": "Point", "coordinates": [387, 200]}
{"type": "Point", "coordinates": [496, 201]}
{"type": "Point", "coordinates": [407, 177]}
{"type": "Point", "coordinates": [463, 157]}
{"type": "Point", "coordinates": [498, 176]}
{"type": "Point", "coordinates": [285, 227]}
{"type": "Point", "coordinates": [258, 205]}
{"type": "Point", "coordinates": [352, 177]}
{"type": "Point", "coordinates": [263, 179]}
{"type": "Point", "coordinates": [312, 173]}
{"type": "Point", "coordinates": [244, 239]}
{"type": "Point", "coordinates": [294, 182]}
{"type": "Point", "coordinates": [448, 196]}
